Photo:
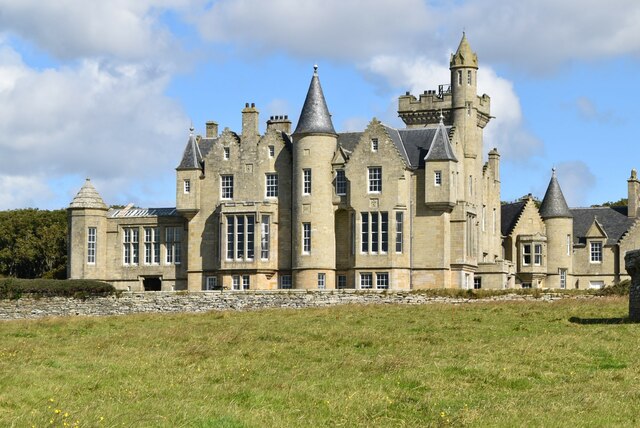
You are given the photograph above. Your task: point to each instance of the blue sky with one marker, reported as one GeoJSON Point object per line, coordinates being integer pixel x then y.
{"type": "Point", "coordinates": [108, 90]}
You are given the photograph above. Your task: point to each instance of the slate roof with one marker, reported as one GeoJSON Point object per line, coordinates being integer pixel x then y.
{"type": "Point", "coordinates": [412, 143]}
{"type": "Point", "coordinates": [509, 215]}
{"type": "Point", "coordinates": [613, 221]}
{"type": "Point", "coordinates": [315, 117]}
{"type": "Point", "coordinates": [554, 204]}
{"type": "Point", "coordinates": [441, 146]}
{"type": "Point", "coordinates": [192, 155]}
{"type": "Point", "coordinates": [142, 212]}
{"type": "Point", "coordinates": [88, 197]}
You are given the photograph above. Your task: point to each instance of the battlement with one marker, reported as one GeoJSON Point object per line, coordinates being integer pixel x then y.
{"type": "Point", "coordinates": [426, 109]}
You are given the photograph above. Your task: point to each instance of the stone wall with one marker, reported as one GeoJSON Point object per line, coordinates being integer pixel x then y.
{"type": "Point", "coordinates": [165, 302]}
{"type": "Point", "coordinates": [632, 264]}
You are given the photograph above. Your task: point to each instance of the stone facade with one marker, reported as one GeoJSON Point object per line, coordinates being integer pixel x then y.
{"type": "Point", "coordinates": [554, 246]}
{"type": "Point", "coordinates": [384, 208]}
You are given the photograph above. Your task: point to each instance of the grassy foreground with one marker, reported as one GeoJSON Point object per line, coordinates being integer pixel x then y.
{"type": "Point", "coordinates": [566, 363]}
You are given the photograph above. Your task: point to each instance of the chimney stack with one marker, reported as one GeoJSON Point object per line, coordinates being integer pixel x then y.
{"type": "Point", "coordinates": [633, 200]}
{"type": "Point", "coordinates": [212, 129]}
{"type": "Point", "coordinates": [250, 122]}
{"type": "Point", "coordinates": [279, 123]}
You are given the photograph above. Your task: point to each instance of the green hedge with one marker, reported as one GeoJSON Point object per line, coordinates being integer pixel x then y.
{"type": "Point", "coordinates": [13, 288]}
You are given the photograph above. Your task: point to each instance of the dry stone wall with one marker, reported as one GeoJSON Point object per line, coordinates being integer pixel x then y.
{"type": "Point", "coordinates": [167, 302]}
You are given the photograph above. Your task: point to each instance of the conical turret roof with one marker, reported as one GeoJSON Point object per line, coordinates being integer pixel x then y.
{"type": "Point", "coordinates": [192, 156]}
{"type": "Point", "coordinates": [554, 205]}
{"type": "Point", "coordinates": [441, 146]}
{"type": "Point", "coordinates": [315, 117]}
{"type": "Point", "coordinates": [88, 197]}
{"type": "Point", "coordinates": [464, 56]}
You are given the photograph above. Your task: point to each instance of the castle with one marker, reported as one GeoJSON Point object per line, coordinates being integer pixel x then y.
{"type": "Point", "coordinates": [384, 208]}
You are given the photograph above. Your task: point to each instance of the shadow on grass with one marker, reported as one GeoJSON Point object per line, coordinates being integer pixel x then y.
{"type": "Point", "coordinates": [587, 321]}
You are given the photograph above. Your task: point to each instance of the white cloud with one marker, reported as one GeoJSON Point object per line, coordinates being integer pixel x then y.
{"type": "Point", "coordinates": [541, 35]}
{"type": "Point", "coordinates": [590, 112]}
{"type": "Point", "coordinates": [342, 29]}
{"type": "Point", "coordinates": [576, 181]}
{"type": "Point", "coordinates": [94, 119]}
{"type": "Point", "coordinates": [129, 30]}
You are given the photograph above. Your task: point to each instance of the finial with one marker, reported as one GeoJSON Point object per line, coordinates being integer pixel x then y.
{"type": "Point", "coordinates": [87, 179]}
{"type": "Point", "coordinates": [441, 116]}
{"type": "Point", "coordinates": [634, 174]}
{"type": "Point", "coordinates": [191, 128]}
{"type": "Point", "coordinates": [315, 69]}
{"type": "Point", "coordinates": [553, 171]}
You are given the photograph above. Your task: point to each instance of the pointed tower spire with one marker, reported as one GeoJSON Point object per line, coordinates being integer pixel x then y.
{"type": "Point", "coordinates": [315, 117]}
{"type": "Point", "coordinates": [191, 157]}
{"type": "Point", "coordinates": [440, 148]}
{"type": "Point", "coordinates": [464, 56]}
{"type": "Point", "coordinates": [554, 205]}
{"type": "Point", "coordinates": [88, 197]}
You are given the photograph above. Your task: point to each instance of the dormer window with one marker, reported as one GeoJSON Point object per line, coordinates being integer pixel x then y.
{"type": "Point", "coordinates": [226, 153]}
{"type": "Point", "coordinates": [374, 144]}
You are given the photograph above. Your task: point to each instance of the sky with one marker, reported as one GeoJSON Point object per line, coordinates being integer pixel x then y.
{"type": "Point", "coordinates": [109, 90]}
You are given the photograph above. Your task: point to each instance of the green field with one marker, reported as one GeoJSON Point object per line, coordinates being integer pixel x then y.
{"type": "Point", "coordinates": [566, 363]}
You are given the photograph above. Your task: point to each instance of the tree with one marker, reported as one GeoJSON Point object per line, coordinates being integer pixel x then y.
{"type": "Point", "coordinates": [33, 243]}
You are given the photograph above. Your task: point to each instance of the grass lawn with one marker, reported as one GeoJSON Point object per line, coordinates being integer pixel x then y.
{"type": "Point", "coordinates": [566, 363]}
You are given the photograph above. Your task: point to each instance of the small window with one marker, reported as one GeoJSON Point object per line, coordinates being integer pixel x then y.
{"type": "Point", "coordinates": [366, 280]}
{"type": "Point", "coordinates": [306, 238]}
{"type": "Point", "coordinates": [382, 280]}
{"type": "Point", "coordinates": [187, 186]}
{"type": "Point", "coordinates": [272, 151]}
{"type": "Point", "coordinates": [477, 283]}
{"type": "Point", "coordinates": [285, 282]}
{"type": "Point", "coordinates": [272, 185]}
{"type": "Point", "coordinates": [341, 183]}
{"type": "Point", "coordinates": [235, 284]}
{"type": "Point", "coordinates": [526, 254]}
{"type": "Point", "coordinates": [342, 281]}
{"type": "Point", "coordinates": [537, 260]}
{"type": "Point", "coordinates": [437, 178]}
{"type": "Point", "coordinates": [375, 179]}
{"type": "Point", "coordinates": [306, 181]}
{"type": "Point", "coordinates": [374, 144]}
{"type": "Point", "coordinates": [226, 186]}
{"type": "Point", "coordinates": [211, 283]}
{"type": "Point", "coordinates": [563, 278]}
{"type": "Point", "coordinates": [568, 245]}
{"type": "Point", "coordinates": [322, 281]}
{"type": "Point", "coordinates": [226, 153]}
{"type": "Point", "coordinates": [526, 285]}
{"type": "Point", "coordinates": [91, 246]}
{"type": "Point", "coordinates": [399, 222]}
{"type": "Point", "coordinates": [469, 78]}
{"type": "Point", "coordinates": [245, 282]}
{"type": "Point", "coordinates": [596, 252]}
{"type": "Point", "coordinates": [459, 77]}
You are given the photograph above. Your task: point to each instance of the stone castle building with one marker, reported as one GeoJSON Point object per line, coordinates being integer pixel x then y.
{"type": "Point", "coordinates": [406, 208]}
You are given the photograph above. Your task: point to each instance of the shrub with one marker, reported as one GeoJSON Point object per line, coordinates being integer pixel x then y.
{"type": "Point", "coordinates": [12, 288]}
{"type": "Point", "coordinates": [619, 289]}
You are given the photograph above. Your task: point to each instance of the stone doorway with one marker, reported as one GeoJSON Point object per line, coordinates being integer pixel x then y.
{"type": "Point", "coordinates": [152, 283]}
